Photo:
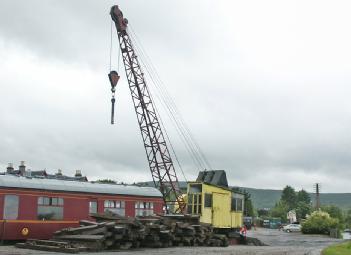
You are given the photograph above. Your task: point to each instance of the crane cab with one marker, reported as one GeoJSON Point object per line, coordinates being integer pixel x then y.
{"type": "Point", "coordinates": [211, 198]}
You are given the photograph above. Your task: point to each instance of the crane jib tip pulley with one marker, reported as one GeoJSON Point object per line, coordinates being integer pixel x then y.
{"type": "Point", "coordinates": [113, 77]}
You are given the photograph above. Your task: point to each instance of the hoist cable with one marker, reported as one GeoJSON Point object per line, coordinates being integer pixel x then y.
{"type": "Point", "coordinates": [176, 111]}
{"type": "Point", "coordinates": [168, 139]}
{"type": "Point", "coordinates": [169, 102]}
{"type": "Point", "coordinates": [168, 113]}
{"type": "Point", "coordinates": [178, 129]}
{"type": "Point", "coordinates": [119, 60]}
{"type": "Point", "coordinates": [174, 118]}
{"type": "Point", "coordinates": [110, 46]}
{"type": "Point", "coordinates": [171, 114]}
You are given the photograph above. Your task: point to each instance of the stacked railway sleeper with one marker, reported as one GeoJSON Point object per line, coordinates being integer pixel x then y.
{"type": "Point", "coordinates": [115, 232]}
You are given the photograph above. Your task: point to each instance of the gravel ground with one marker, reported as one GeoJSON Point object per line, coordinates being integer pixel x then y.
{"type": "Point", "coordinates": [280, 243]}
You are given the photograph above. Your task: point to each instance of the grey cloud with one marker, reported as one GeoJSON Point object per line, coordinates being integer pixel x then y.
{"type": "Point", "coordinates": [257, 111]}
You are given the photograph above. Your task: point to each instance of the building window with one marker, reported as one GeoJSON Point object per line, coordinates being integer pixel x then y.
{"type": "Point", "coordinates": [93, 207]}
{"type": "Point", "coordinates": [11, 207]}
{"type": "Point", "coordinates": [117, 207]}
{"type": "Point", "coordinates": [208, 200]}
{"type": "Point", "coordinates": [194, 203]}
{"type": "Point", "coordinates": [144, 208]}
{"type": "Point", "coordinates": [50, 208]}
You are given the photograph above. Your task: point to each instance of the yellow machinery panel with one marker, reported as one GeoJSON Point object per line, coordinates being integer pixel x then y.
{"type": "Point", "coordinates": [221, 210]}
{"type": "Point", "coordinates": [219, 206]}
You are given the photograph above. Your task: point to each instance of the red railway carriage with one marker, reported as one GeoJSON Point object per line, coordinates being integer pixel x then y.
{"type": "Point", "coordinates": [35, 208]}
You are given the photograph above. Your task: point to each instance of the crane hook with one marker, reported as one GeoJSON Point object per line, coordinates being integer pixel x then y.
{"type": "Point", "coordinates": [113, 77]}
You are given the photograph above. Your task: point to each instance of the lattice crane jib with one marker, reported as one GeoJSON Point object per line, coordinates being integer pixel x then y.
{"type": "Point", "coordinates": [158, 155]}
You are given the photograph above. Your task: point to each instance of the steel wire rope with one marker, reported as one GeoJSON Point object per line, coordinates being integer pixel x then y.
{"type": "Point", "coordinates": [168, 139]}
{"type": "Point", "coordinates": [162, 103]}
{"type": "Point", "coordinates": [177, 112]}
{"type": "Point", "coordinates": [164, 130]}
{"type": "Point", "coordinates": [119, 60]}
{"type": "Point", "coordinates": [170, 113]}
{"type": "Point", "coordinates": [172, 107]}
{"type": "Point", "coordinates": [175, 122]}
{"type": "Point", "coordinates": [110, 46]}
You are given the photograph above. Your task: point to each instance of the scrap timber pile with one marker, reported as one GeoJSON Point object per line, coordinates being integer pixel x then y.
{"type": "Point", "coordinates": [114, 232]}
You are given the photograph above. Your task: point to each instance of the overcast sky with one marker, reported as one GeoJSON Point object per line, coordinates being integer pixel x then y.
{"type": "Point", "coordinates": [263, 85]}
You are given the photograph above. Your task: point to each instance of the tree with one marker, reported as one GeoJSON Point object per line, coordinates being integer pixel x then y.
{"type": "Point", "coordinates": [335, 212]}
{"type": "Point", "coordinates": [279, 211]}
{"type": "Point", "coordinates": [348, 219]}
{"type": "Point", "coordinates": [303, 196]}
{"type": "Point", "coordinates": [248, 206]}
{"type": "Point", "coordinates": [263, 212]}
{"type": "Point", "coordinates": [302, 209]}
{"type": "Point", "coordinates": [289, 197]}
{"type": "Point", "coordinates": [303, 205]}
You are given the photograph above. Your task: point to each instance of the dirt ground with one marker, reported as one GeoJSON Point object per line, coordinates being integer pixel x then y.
{"type": "Point", "coordinates": [280, 243]}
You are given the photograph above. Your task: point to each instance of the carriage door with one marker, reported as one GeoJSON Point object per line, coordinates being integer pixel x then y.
{"type": "Point", "coordinates": [10, 207]}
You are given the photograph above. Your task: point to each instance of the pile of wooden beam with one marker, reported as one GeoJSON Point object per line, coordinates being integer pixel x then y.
{"type": "Point", "coordinates": [47, 245]}
{"type": "Point", "coordinates": [115, 232]}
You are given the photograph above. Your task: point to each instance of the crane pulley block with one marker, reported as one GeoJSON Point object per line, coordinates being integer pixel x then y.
{"type": "Point", "coordinates": [113, 77]}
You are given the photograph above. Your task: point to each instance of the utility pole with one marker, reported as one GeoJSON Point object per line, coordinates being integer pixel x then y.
{"type": "Point", "coordinates": [317, 188]}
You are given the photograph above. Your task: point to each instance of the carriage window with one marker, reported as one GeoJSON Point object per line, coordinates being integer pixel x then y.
{"type": "Point", "coordinates": [117, 207]}
{"type": "Point", "coordinates": [11, 207]}
{"type": "Point", "coordinates": [54, 201]}
{"type": "Point", "coordinates": [50, 208]}
{"type": "Point", "coordinates": [92, 207]}
{"type": "Point", "coordinates": [144, 208]}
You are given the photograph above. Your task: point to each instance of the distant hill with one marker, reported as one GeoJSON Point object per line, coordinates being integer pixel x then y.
{"type": "Point", "coordinates": [263, 198]}
{"type": "Point", "coordinates": [266, 198]}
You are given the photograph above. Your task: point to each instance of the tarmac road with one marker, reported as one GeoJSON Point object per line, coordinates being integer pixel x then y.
{"type": "Point", "coordinates": [280, 243]}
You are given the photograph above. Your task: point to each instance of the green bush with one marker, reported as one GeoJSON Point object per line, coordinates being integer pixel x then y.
{"type": "Point", "coordinates": [319, 222]}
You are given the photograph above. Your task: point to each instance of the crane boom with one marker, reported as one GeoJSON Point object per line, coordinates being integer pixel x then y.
{"type": "Point", "coordinates": [160, 162]}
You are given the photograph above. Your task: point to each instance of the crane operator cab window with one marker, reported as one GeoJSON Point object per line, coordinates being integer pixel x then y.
{"type": "Point", "coordinates": [194, 199]}
{"type": "Point", "coordinates": [237, 202]}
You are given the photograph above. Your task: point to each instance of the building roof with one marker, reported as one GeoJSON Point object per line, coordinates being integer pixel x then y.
{"type": "Point", "coordinates": [11, 181]}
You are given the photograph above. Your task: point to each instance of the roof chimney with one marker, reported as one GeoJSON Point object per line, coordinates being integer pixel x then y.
{"type": "Point", "coordinates": [9, 168]}
{"type": "Point", "coordinates": [78, 173]}
{"type": "Point", "coordinates": [22, 168]}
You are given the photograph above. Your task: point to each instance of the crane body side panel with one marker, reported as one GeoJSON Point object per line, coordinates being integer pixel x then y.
{"type": "Point", "coordinates": [216, 204]}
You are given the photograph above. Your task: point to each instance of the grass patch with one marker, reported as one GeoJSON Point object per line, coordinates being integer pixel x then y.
{"type": "Point", "coordinates": [338, 249]}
